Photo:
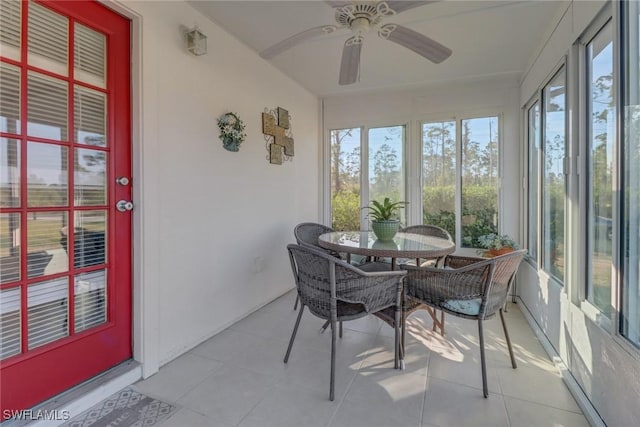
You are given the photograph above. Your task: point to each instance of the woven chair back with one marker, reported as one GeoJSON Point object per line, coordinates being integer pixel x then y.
{"type": "Point", "coordinates": [307, 233]}
{"type": "Point", "coordinates": [356, 292]}
{"type": "Point", "coordinates": [428, 230]}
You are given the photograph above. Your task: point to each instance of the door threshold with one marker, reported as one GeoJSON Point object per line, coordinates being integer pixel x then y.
{"type": "Point", "coordinates": [61, 408]}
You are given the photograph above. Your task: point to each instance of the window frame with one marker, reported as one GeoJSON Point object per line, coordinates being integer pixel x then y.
{"type": "Point", "coordinates": [527, 184]}
{"type": "Point", "coordinates": [590, 310]}
{"type": "Point", "coordinates": [621, 34]}
{"type": "Point", "coordinates": [561, 68]}
{"type": "Point", "coordinates": [538, 96]}
{"type": "Point", "coordinates": [458, 119]}
{"type": "Point", "coordinates": [326, 208]}
{"type": "Point", "coordinates": [412, 165]}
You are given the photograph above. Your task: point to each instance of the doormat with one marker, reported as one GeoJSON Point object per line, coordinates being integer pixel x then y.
{"type": "Point", "coordinates": [127, 408]}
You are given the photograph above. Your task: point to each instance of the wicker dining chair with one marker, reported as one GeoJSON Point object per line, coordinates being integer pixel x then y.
{"type": "Point", "coordinates": [411, 305]}
{"type": "Point", "coordinates": [306, 234]}
{"type": "Point", "coordinates": [337, 291]}
{"type": "Point", "coordinates": [468, 287]}
{"type": "Point", "coordinates": [428, 230]}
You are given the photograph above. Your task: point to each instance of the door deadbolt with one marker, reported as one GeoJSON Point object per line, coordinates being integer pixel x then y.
{"type": "Point", "coordinates": [123, 180]}
{"type": "Point", "coordinates": [124, 206]}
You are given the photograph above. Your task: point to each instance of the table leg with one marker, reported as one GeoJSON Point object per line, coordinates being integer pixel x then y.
{"type": "Point", "coordinates": [437, 323]}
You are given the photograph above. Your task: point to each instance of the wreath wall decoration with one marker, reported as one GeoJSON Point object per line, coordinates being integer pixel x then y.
{"type": "Point", "coordinates": [231, 131]}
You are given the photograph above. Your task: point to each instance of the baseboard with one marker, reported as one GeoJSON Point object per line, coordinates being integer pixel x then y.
{"type": "Point", "coordinates": [80, 398]}
{"type": "Point", "coordinates": [577, 392]}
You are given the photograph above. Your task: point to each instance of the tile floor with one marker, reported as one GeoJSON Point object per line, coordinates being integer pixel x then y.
{"type": "Point", "coordinates": [238, 378]}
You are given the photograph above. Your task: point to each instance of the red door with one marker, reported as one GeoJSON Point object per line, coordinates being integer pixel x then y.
{"type": "Point", "coordinates": [65, 250]}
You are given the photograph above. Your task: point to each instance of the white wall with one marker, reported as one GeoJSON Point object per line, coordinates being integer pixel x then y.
{"type": "Point", "coordinates": [461, 99]}
{"type": "Point", "coordinates": [605, 368]}
{"type": "Point", "coordinates": [211, 225]}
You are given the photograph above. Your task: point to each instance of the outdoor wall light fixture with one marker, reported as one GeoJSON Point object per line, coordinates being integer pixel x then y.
{"type": "Point", "coordinates": [196, 41]}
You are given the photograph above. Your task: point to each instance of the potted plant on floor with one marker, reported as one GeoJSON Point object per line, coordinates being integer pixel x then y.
{"type": "Point", "coordinates": [496, 244]}
{"type": "Point", "coordinates": [385, 220]}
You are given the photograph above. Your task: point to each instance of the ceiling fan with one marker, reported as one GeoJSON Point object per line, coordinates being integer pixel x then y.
{"type": "Point", "coordinates": [360, 17]}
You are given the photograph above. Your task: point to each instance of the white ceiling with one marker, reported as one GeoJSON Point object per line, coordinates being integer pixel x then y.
{"type": "Point", "coordinates": [488, 38]}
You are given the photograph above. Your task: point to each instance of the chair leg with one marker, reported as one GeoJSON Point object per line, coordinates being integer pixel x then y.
{"type": "Point", "coordinates": [485, 389]}
{"type": "Point", "coordinates": [332, 385]}
{"type": "Point", "coordinates": [398, 344]}
{"type": "Point", "coordinates": [295, 306]}
{"type": "Point", "coordinates": [506, 335]}
{"type": "Point", "coordinates": [403, 326]}
{"type": "Point", "coordinates": [293, 335]}
{"type": "Point", "coordinates": [326, 325]}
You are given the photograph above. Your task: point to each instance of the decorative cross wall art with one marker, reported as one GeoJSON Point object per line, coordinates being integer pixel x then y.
{"type": "Point", "coordinates": [276, 126]}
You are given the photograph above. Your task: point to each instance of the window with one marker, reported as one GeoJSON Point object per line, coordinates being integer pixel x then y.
{"type": "Point", "coordinates": [475, 149]}
{"type": "Point", "coordinates": [553, 177]}
{"type": "Point", "coordinates": [533, 159]}
{"type": "Point", "coordinates": [345, 179]}
{"type": "Point", "coordinates": [377, 161]}
{"type": "Point", "coordinates": [600, 123]}
{"type": "Point", "coordinates": [439, 175]}
{"type": "Point", "coordinates": [480, 180]}
{"type": "Point", "coordinates": [630, 298]}
{"type": "Point", "coordinates": [386, 176]}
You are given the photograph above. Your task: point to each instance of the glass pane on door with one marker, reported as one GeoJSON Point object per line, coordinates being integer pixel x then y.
{"type": "Point", "coordinates": [10, 254]}
{"type": "Point", "coordinates": [10, 98]}
{"type": "Point", "coordinates": [48, 314]}
{"type": "Point", "coordinates": [47, 175]}
{"type": "Point", "coordinates": [47, 107]}
{"type": "Point", "coordinates": [48, 39]}
{"type": "Point", "coordinates": [89, 56]}
{"type": "Point", "coordinates": [10, 324]}
{"type": "Point", "coordinates": [9, 173]}
{"type": "Point", "coordinates": [90, 116]}
{"type": "Point", "coordinates": [10, 28]}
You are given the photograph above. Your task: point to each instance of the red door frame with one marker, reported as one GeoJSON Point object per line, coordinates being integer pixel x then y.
{"type": "Point", "coordinates": [34, 376]}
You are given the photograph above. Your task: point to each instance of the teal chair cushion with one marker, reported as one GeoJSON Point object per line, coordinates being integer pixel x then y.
{"type": "Point", "coordinates": [470, 307]}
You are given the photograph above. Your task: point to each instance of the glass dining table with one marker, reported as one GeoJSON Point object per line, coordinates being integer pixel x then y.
{"type": "Point", "coordinates": [403, 245]}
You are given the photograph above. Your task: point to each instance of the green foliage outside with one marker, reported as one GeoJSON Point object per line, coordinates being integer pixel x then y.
{"type": "Point", "coordinates": [479, 213]}
{"type": "Point", "coordinates": [345, 211]}
{"type": "Point", "coordinates": [439, 207]}
{"type": "Point", "coordinates": [479, 210]}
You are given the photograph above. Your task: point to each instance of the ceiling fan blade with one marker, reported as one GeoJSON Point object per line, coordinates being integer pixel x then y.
{"type": "Point", "coordinates": [419, 43]}
{"type": "Point", "coordinates": [295, 39]}
{"type": "Point", "coordinates": [401, 6]}
{"type": "Point", "coordinates": [350, 65]}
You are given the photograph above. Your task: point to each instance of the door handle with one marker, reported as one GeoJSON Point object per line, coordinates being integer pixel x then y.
{"type": "Point", "coordinates": [124, 206]}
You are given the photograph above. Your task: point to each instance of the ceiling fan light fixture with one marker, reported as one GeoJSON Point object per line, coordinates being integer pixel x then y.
{"type": "Point", "coordinates": [360, 26]}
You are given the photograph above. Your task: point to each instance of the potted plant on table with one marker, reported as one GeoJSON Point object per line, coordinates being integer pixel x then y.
{"type": "Point", "coordinates": [496, 244]}
{"type": "Point", "coordinates": [385, 220]}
